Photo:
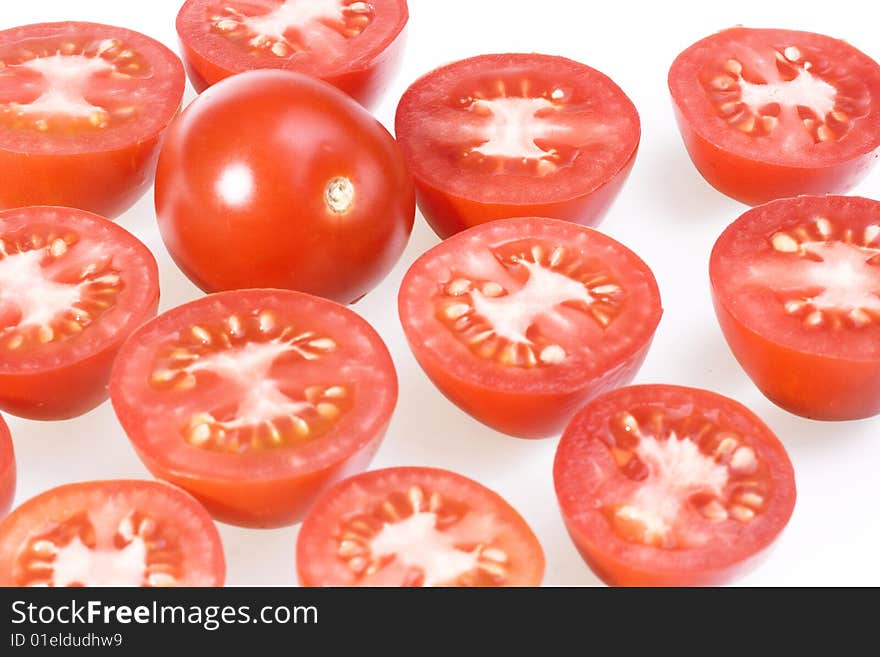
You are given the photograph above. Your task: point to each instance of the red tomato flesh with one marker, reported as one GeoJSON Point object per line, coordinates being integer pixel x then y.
{"type": "Point", "coordinates": [796, 286]}
{"type": "Point", "coordinates": [7, 469]}
{"type": "Point", "coordinates": [769, 114]}
{"type": "Point", "coordinates": [82, 109]}
{"type": "Point", "coordinates": [354, 45]}
{"type": "Point", "coordinates": [516, 135]}
{"type": "Point", "coordinates": [275, 179]}
{"type": "Point", "coordinates": [520, 321]}
{"type": "Point", "coordinates": [668, 486]}
{"type": "Point", "coordinates": [73, 286]}
{"type": "Point", "coordinates": [416, 527]}
{"type": "Point", "coordinates": [111, 533]}
{"type": "Point", "coordinates": [255, 400]}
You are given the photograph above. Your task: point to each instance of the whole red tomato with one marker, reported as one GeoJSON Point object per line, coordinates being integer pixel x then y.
{"type": "Point", "coordinates": [274, 179]}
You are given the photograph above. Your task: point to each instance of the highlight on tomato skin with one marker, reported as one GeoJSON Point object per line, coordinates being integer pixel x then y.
{"type": "Point", "coordinates": [308, 192]}
{"type": "Point", "coordinates": [520, 321]}
{"type": "Point", "coordinates": [7, 469]}
{"type": "Point", "coordinates": [255, 401]}
{"type": "Point", "coordinates": [768, 114]}
{"type": "Point", "coordinates": [796, 289]}
{"type": "Point", "coordinates": [73, 286]}
{"type": "Point", "coordinates": [516, 135]}
{"type": "Point", "coordinates": [416, 526]}
{"type": "Point", "coordinates": [663, 485]}
{"type": "Point", "coordinates": [355, 46]}
{"type": "Point", "coordinates": [83, 110]}
{"type": "Point", "coordinates": [121, 532]}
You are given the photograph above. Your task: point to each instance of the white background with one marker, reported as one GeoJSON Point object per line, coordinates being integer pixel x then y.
{"type": "Point", "coordinates": [666, 213]}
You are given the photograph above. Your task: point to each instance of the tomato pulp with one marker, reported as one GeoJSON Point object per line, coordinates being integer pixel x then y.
{"type": "Point", "coordinates": [520, 321]}
{"type": "Point", "coordinates": [769, 114]}
{"type": "Point", "coordinates": [796, 287]}
{"type": "Point", "coordinates": [255, 400]}
{"type": "Point", "coordinates": [82, 109]}
{"type": "Point", "coordinates": [668, 486]}
{"type": "Point", "coordinates": [275, 179]}
{"type": "Point", "coordinates": [7, 469]}
{"type": "Point", "coordinates": [516, 135]}
{"type": "Point", "coordinates": [73, 286]}
{"type": "Point", "coordinates": [356, 46]}
{"type": "Point", "coordinates": [111, 533]}
{"type": "Point", "coordinates": [416, 527]}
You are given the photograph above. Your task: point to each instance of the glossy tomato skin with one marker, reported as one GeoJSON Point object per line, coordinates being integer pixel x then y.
{"type": "Point", "coordinates": [820, 381]}
{"type": "Point", "coordinates": [198, 548]}
{"type": "Point", "coordinates": [7, 469]}
{"type": "Point", "coordinates": [365, 80]}
{"type": "Point", "coordinates": [106, 179]}
{"type": "Point", "coordinates": [238, 207]}
{"type": "Point", "coordinates": [440, 127]}
{"type": "Point", "coordinates": [614, 559]}
{"type": "Point", "coordinates": [755, 178]}
{"type": "Point", "coordinates": [59, 387]}
{"type": "Point", "coordinates": [260, 488]}
{"type": "Point", "coordinates": [507, 403]}
{"type": "Point", "coordinates": [317, 542]}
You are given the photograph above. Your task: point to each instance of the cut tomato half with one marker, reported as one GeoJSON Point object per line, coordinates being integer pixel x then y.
{"type": "Point", "coordinates": [520, 321]}
{"type": "Point", "coordinates": [7, 469]}
{"type": "Point", "coordinates": [796, 286]}
{"type": "Point", "coordinates": [73, 286]}
{"type": "Point", "coordinates": [354, 45]}
{"type": "Point", "coordinates": [767, 114]}
{"type": "Point", "coordinates": [668, 486]}
{"type": "Point", "coordinates": [111, 533]}
{"type": "Point", "coordinates": [255, 400]}
{"type": "Point", "coordinates": [516, 135]}
{"type": "Point", "coordinates": [416, 527]}
{"type": "Point", "coordinates": [82, 109]}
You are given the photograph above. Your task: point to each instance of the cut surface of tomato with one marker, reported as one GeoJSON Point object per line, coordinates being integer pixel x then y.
{"type": "Point", "coordinates": [82, 108]}
{"type": "Point", "coordinates": [111, 533]}
{"type": "Point", "coordinates": [520, 321]}
{"type": "Point", "coordinates": [513, 135]}
{"type": "Point", "coordinates": [352, 44]}
{"type": "Point", "coordinates": [255, 400]}
{"type": "Point", "coordinates": [73, 286]}
{"type": "Point", "coordinates": [768, 114]}
{"type": "Point", "coordinates": [662, 485]}
{"type": "Point", "coordinates": [7, 469]}
{"type": "Point", "coordinates": [796, 286]}
{"type": "Point", "coordinates": [413, 526]}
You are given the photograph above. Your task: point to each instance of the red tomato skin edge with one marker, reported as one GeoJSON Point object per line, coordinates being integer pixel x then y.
{"type": "Point", "coordinates": [281, 503]}
{"type": "Point", "coordinates": [754, 183]}
{"type": "Point", "coordinates": [7, 474]}
{"type": "Point", "coordinates": [448, 214]}
{"type": "Point", "coordinates": [616, 573]}
{"type": "Point", "coordinates": [89, 379]}
{"type": "Point", "coordinates": [812, 386]}
{"type": "Point", "coordinates": [366, 85]}
{"type": "Point", "coordinates": [528, 415]}
{"type": "Point", "coordinates": [98, 182]}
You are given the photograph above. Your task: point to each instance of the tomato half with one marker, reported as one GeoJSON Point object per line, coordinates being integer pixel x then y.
{"type": "Point", "coordinates": [7, 469]}
{"type": "Point", "coordinates": [354, 45]}
{"type": "Point", "coordinates": [416, 527]}
{"type": "Point", "coordinates": [520, 321]}
{"type": "Point", "coordinates": [662, 485]}
{"type": "Point", "coordinates": [796, 287]}
{"type": "Point", "coordinates": [73, 286]}
{"type": "Point", "coordinates": [111, 533]}
{"type": "Point", "coordinates": [255, 400]}
{"type": "Point", "coordinates": [768, 114]}
{"type": "Point", "coordinates": [275, 179]}
{"type": "Point", "coordinates": [516, 135]}
{"type": "Point", "coordinates": [82, 110]}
